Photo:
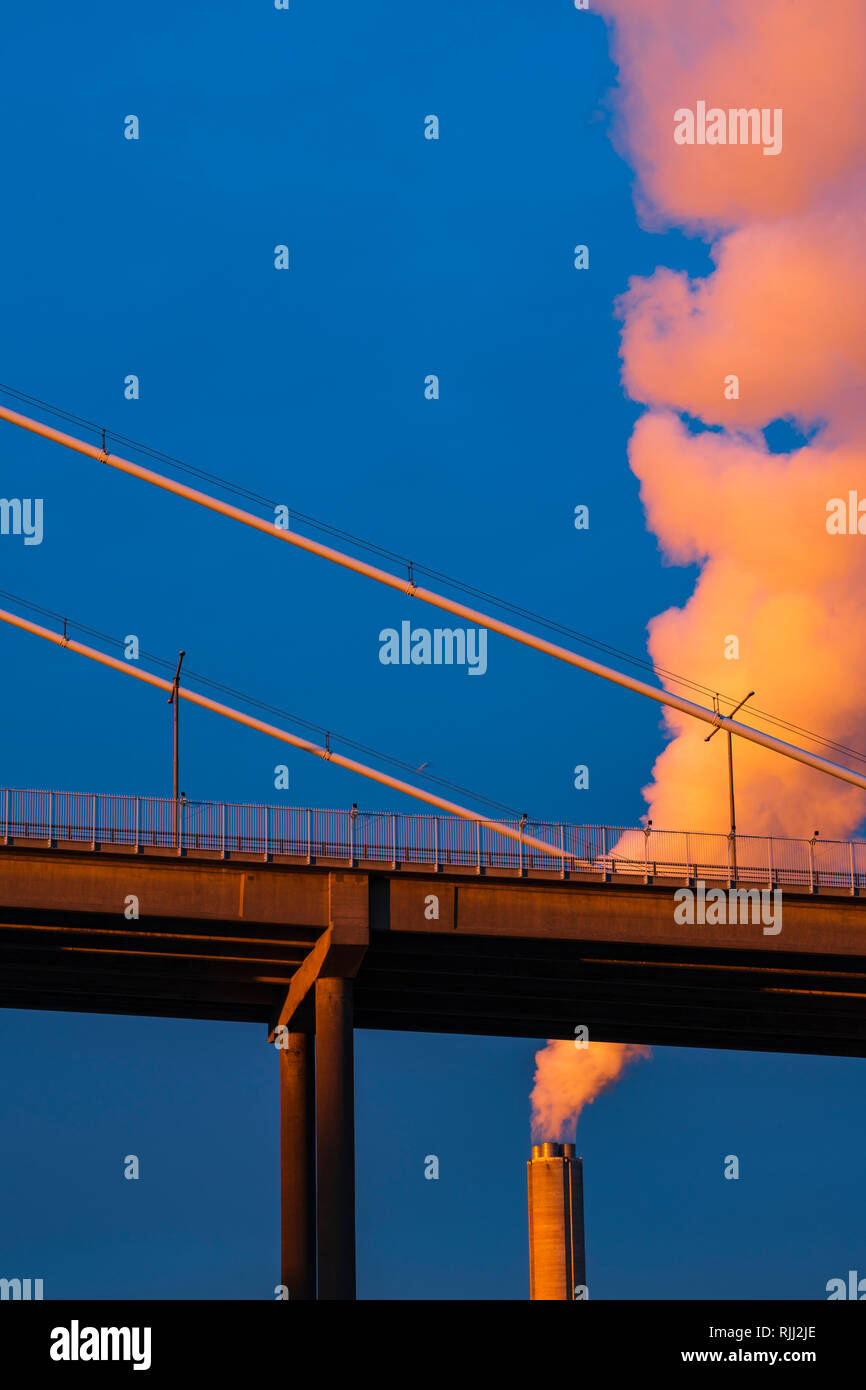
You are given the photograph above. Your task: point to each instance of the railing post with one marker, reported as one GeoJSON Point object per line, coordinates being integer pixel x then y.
{"type": "Point", "coordinates": [770, 857]}
{"type": "Point", "coordinates": [309, 837]}
{"type": "Point", "coordinates": [851, 855]}
{"type": "Point", "coordinates": [394, 819]}
{"type": "Point", "coordinates": [181, 805]}
{"type": "Point", "coordinates": [688, 857]}
{"type": "Point", "coordinates": [6, 816]}
{"type": "Point", "coordinates": [137, 821]}
{"type": "Point", "coordinates": [223, 848]}
{"type": "Point", "coordinates": [605, 874]}
{"type": "Point", "coordinates": [94, 820]}
{"type": "Point", "coordinates": [436, 841]}
{"type": "Point", "coordinates": [562, 847]}
{"type": "Point", "coordinates": [478, 842]}
{"type": "Point", "coordinates": [50, 815]}
{"type": "Point", "coordinates": [812, 865]}
{"type": "Point", "coordinates": [267, 832]}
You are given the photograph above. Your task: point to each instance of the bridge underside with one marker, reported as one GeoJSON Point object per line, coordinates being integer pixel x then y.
{"type": "Point", "coordinates": [655, 995]}
{"type": "Point", "coordinates": [314, 951]}
{"type": "Point", "coordinates": [524, 988]}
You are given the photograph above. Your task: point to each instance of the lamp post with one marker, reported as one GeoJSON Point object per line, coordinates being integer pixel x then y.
{"type": "Point", "coordinates": [731, 778]}
{"type": "Point", "coordinates": [174, 699]}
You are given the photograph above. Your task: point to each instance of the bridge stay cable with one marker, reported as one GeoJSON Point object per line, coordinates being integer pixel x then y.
{"type": "Point", "coordinates": [663, 673]}
{"type": "Point", "coordinates": [330, 755]}
{"type": "Point", "coordinates": [409, 588]}
{"type": "Point", "coordinates": [329, 734]}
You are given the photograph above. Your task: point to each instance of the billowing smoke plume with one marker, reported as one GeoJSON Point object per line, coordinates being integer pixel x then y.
{"type": "Point", "coordinates": [568, 1077]}
{"type": "Point", "coordinates": [778, 604]}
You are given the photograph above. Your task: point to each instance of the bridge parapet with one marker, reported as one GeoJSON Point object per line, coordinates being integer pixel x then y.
{"type": "Point", "coordinates": [154, 825]}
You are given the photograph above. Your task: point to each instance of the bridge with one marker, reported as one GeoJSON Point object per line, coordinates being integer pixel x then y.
{"type": "Point", "coordinates": [314, 922]}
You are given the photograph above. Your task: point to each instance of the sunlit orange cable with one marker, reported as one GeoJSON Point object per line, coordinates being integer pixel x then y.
{"type": "Point", "coordinates": [59, 640]}
{"type": "Point", "coordinates": [412, 590]}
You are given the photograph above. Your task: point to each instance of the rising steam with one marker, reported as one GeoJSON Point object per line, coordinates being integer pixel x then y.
{"type": "Point", "coordinates": [783, 310]}
{"type": "Point", "coordinates": [568, 1077]}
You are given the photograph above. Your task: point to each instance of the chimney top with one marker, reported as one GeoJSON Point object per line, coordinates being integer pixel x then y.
{"type": "Point", "coordinates": [553, 1150]}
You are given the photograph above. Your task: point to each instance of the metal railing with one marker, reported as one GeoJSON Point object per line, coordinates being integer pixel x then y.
{"type": "Point", "coordinates": [139, 823]}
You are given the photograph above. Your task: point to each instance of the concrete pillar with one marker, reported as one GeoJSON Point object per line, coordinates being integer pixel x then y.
{"type": "Point", "coordinates": [297, 1167]}
{"type": "Point", "coordinates": [335, 1138]}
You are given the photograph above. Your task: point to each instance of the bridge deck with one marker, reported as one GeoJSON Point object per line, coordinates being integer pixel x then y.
{"type": "Point", "coordinates": [509, 953]}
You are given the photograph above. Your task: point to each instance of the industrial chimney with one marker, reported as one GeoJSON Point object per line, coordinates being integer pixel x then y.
{"type": "Point", "coordinates": [557, 1259]}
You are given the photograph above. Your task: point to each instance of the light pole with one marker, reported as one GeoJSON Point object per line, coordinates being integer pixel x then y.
{"type": "Point", "coordinates": [174, 699]}
{"type": "Point", "coordinates": [731, 777]}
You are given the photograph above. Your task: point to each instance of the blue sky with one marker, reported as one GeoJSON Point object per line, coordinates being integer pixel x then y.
{"type": "Point", "coordinates": [408, 257]}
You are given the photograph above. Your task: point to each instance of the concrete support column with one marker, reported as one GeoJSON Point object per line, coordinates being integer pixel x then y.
{"type": "Point", "coordinates": [335, 1138]}
{"type": "Point", "coordinates": [297, 1167]}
